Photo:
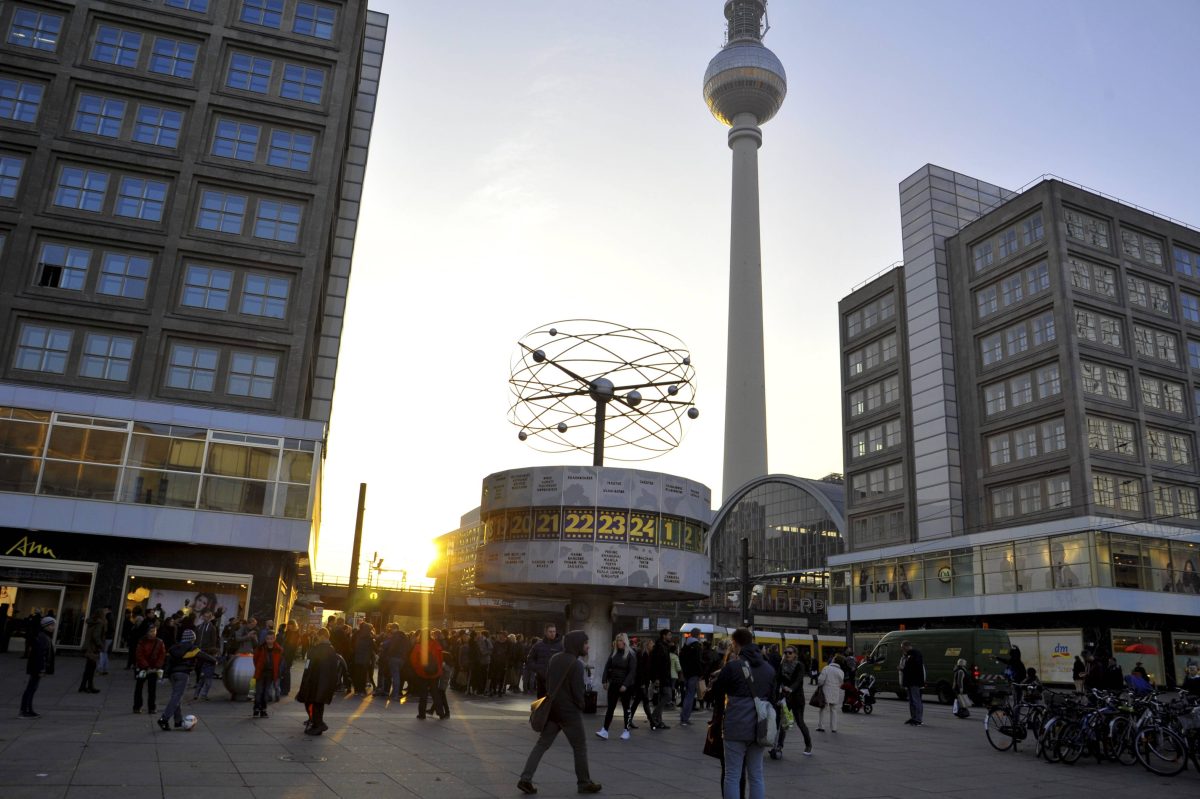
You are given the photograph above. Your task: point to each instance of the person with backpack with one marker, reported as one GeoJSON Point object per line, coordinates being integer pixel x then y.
{"type": "Point", "coordinates": [961, 677]}
{"type": "Point", "coordinates": [746, 677]}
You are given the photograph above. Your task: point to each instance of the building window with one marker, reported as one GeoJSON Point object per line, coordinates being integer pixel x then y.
{"type": "Point", "coordinates": [196, 6]}
{"type": "Point", "coordinates": [999, 449]}
{"type": "Point", "coordinates": [1147, 294]}
{"type": "Point", "coordinates": [1003, 502]}
{"type": "Point", "coordinates": [1140, 247]}
{"type": "Point", "coordinates": [221, 212]}
{"type": "Point", "coordinates": [987, 301]}
{"type": "Point", "coordinates": [11, 168]}
{"type": "Point", "coordinates": [1164, 446]}
{"type": "Point", "coordinates": [207, 287]}
{"type": "Point", "coordinates": [1189, 304]}
{"type": "Point", "coordinates": [872, 355]}
{"type": "Point", "coordinates": [157, 126]}
{"type": "Point", "coordinates": [1099, 329]}
{"type": "Point", "coordinates": [875, 439]}
{"type": "Point", "coordinates": [1020, 390]}
{"type": "Point", "coordinates": [81, 189]}
{"type": "Point", "coordinates": [1006, 243]}
{"type": "Point", "coordinates": [124, 275]}
{"type": "Point", "coordinates": [1093, 278]}
{"type": "Point", "coordinates": [1193, 348]}
{"type": "Point", "coordinates": [1187, 263]}
{"type": "Point", "coordinates": [35, 29]}
{"type": "Point", "coordinates": [98, 115]}
{"type": "Point", "coordinates": [1117, 492]}
{"type": "Point", "coordinates": [291, 150]}
{"type": "Point", "coordinates": [63, 267]}
{"type": "Point", "coordinates": [43, 349]}
{"type": "Point", "coordinates": [982, 255]}
{"type": "Point", "coordinates": [1054, 435]}
{"type": "Point", "coordinates": [1043, 329]}
{"type": "Point", "coordinates": [249, 73]}
{"type": "Point", "coordinates": [263, 295]}
{"type": "Point", "coordinates": [1086, 228]}
{"type": "Point", "coordinates": [277, 221]}
{"type": "Point", "coordinates": [1037, 279]}
{"type": "Point", "coordinates": [1111, 436]}
{"type": "Point", "coordinates": [192, 368]}
{"type": "Point", "coordinates": [1162, 395]}
{"type": "Point", "coordinates": [106, 357]}
{"type": "Point", "coordinates": [141, 198]}
{"type": "Point", "coordinates": [1032, 230]}
{"type": "Point", "coordinates": [252, 375]}
{"type": "Point", "coordinates": [19, 101]}
{"type": "Point", "coordinates": [1172, 501]}
{"type": "Point", "coordinates": [302, 83]}
{"type": "Point", "coordinates": [1049, 384]}
{"type": "Point", "coordinates": [235, 140]}
{"type": "Point", "coordinates": [268, 13]}
{"type": "Point", "coordinates": [992, 349]}
{"type": "Point", "coordinates": [995, 399]}
{"type": "Point", "coordinates": [173, 57]}
{"type": "Point", "coordinates": [1155, 344]}
{"type": "Point", "coordinates": [116, 46]}
{"type": "Point", "coordinates": [877, 482]}
{"type": "Point", "coordinates": [1104, 381]}
{"type": "Point", "coordinates": [314, 20]}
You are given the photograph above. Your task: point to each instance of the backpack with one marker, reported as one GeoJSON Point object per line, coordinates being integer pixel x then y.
{"type": "Point", "coordinates": [767, 731]}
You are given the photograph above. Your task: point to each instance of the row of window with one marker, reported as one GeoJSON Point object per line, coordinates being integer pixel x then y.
{"type": "Point", "coordinates": [875, 396]}
{"type": "Point", "coordinates": [879, 528]}
{"type": "Point", "coordinates": [1112, 383]}
{"type": "Point", "coordinates": [1012, 290]}
{"type": "Point", "coordinates": [1025, 443]}
{"type": "Point", "coordinates": [105, 116]}
{"type": "Point", "coordinates": [305, 19]}
{"type": "Point", "coordinates": [1112, 436]}
{"type": "Point", "coordinates": [1019, 390]}
{"type": "Point", "coordinates": [872, 355]}
{"type": "Point", "coordinates": [1136, 246]}
{"type": "Point", "coordinates": [1017, 339]}
{"type": "Point", "coordinates": [877, 483]}
{"type": "Point", "coordinates": [1032, 496]}
{"type": "Point", "coordinates": [870, 315]}
{"type": "Point", "coordinates": [876, 439]}
{"type": "Point", "coordinates": [1008, 242]}
{"type": "Point", "coordinates": [1123, 494]}
{"type": "Point", "coordinates": [1149, 343]}
{"type": "Point", "coordinates": [1101, 281]}
{"type": "Point", "coordinates": [127, 274]}
{"type": "Point", "coordinates": [109, 357]}
{"type": "Point", "coordinates": [87, 189]}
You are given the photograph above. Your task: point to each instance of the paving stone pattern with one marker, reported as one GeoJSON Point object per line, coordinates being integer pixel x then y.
{"type": "Point", "coordinates": [93, 747]}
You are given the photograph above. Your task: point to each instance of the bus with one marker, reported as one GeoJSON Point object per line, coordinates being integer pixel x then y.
{"type": "Point", "coordinates": [828, 645]}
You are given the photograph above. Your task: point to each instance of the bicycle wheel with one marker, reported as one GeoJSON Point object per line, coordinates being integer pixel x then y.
{"type": "Point", "coordinates": [998, 727]}
{"type": "Point", "coordinates": [1161, 750]}
{"type": "Point", "coordinates": [1048, 740]}
{"type": "Point", "coordinates": [1036, 719]}
{"type": "Point", "coordinates": [1071, 743]}
{"type": "Point", "coordinates": [1120, 737]}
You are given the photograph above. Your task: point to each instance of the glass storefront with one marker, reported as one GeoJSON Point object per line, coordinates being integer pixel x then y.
{"type": "Point", "coordinates": [1186, 650]}
{"type": "Point", "coordinates": [1073, 560]}
{"type": "Point", "coordinates": [68, 455]}
{"type": "Point", "coordinates": [1131, 647]}
{"type": "Point", "coordinates": [167, 591]}
{"type": "Point", "coordinates": [58, 587]}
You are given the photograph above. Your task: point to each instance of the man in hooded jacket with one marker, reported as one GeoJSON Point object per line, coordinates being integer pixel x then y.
{"type": "Point", "coordinates": [564, 676]}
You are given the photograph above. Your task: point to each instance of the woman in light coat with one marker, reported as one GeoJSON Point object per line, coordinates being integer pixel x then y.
{"type": "Point", "coordinates": [829, 682]}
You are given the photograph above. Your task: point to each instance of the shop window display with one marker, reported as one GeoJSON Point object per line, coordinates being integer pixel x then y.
{"type": "Point", "coordinates": [1131, 647]}
{"type": "Point", "coordinates": [166, 592]}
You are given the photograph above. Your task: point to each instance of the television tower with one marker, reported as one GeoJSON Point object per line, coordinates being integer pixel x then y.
{"type": "Point", "coordinates": [744, 87]}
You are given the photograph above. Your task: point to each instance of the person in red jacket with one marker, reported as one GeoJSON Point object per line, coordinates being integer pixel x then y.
{"type": "Point", "coordinates": [148, 659]}
{"type": "Point", "coordinates": [268, 657]}
{"type": "Point", "coordinates": [426, 661]}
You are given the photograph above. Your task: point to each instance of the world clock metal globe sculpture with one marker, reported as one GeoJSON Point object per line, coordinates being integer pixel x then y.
{"type": "Point", "coordinates": [604, 388]}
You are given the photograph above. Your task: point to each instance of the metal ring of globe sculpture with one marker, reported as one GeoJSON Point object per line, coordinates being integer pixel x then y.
{"type": "Point", "coordinates": [597, 534]}
{"type": "Point", "coordinates": [604, 388]}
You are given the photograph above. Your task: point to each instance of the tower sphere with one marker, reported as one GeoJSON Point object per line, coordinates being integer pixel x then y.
{"type": "Point", "coordinates": [744, 78]}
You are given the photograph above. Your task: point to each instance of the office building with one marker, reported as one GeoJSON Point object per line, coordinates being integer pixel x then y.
{"type": "Point", "coordinates": [179, 189]}
{"type": "Point", "coordinates": [1021, 406]}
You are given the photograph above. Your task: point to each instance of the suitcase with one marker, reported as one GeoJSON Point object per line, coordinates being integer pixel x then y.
{"type": "Point", "coordinates": [590, 698]}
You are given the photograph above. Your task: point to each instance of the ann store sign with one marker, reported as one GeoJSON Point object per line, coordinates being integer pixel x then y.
{"type": "Point", "coordinates": [28, 548]}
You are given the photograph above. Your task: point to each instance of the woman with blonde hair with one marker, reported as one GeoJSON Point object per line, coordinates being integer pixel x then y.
{"type": "Point", "coordinates": [829, 683]}
{"type": "Point", "coordinates": [620, 680]}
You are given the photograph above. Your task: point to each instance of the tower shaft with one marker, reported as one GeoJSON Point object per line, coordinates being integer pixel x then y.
{"type": "Point", "coordinates": [745, 375]}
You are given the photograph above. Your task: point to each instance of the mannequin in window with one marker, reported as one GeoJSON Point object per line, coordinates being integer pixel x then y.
{"type": "Point", "coordinates": [1008, 581]}
{"type": "Point", "coordinates": [1065, 577]}
{"type": "Point", "coordinates": [900, 583]}
{"type": "Point", "coordinates": [864, 584]}
{"type": "Point", "coordinates": [1173, 583]}
{"type": "Point", "coordinates": [1190, 579]}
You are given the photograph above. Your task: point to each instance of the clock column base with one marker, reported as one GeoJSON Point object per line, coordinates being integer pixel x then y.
{"type": "Point", "coordinates": [592, 613]}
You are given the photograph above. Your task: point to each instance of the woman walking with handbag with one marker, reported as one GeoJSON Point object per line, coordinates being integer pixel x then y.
{"type": "Point", "coordinates": [791, 693]}
{"type": "Point", "coordinates": [829, 689]}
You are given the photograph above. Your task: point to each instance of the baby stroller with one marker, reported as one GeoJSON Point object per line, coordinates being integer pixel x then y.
{"type": "Point", "coordinates": [859, 697]}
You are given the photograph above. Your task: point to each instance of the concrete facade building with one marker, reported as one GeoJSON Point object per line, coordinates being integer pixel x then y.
{"type": "Point", "coordinates": [1036, 469]}
{"type": "Point", "coordinates": [180, 191]}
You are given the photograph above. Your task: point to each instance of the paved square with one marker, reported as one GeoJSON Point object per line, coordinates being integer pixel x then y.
{"type": "Point", "coordinates": [93, 747]}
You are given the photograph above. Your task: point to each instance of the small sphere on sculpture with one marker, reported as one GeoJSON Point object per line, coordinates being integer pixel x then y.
{"type": "Point", "coordinates": [633, 398]}
{"type": "Point", "coordinates": [693, 413]}
{"type": "Point", "coordinates": [562, 427]}
{"type": "Point", "coordinates": [539, 355]}
{"type": "Point", "coordinates": [521, 436]}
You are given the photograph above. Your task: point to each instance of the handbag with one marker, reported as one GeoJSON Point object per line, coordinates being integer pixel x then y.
{"type": "Point", "coordinates": [767, 728]}
{"type": "Point", "coordinates": [714, 741]}
{"type": "Point", "coordinates": [818, 700]}
{"type": "Point", "coordinates": [539, 709]}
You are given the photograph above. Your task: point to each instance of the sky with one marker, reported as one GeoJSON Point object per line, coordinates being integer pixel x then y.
{"type": "Point", "coordinates": [539, 161]}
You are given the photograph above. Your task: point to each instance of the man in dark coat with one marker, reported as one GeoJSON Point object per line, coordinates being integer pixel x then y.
{"type": "Point", "coordinates": [660, 672]}
{"type": "Point", "coordinates": [41, 661]}
{"type": "Point", "coordinates": [93, 645]}
{"type": "Point", "coordinates": [322, 674]}
{"type": "Point", "coordinates": [691, 663]}
{"type": "Point", "coordinates": [564, 675]}
{"type": "Point", "coordinates": [912, 678]}
{"type": "Point", "coordinates": [541, 654]}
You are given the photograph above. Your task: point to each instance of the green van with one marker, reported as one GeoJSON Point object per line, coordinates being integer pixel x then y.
{"type": "Point", "coordinates": [941, 650]}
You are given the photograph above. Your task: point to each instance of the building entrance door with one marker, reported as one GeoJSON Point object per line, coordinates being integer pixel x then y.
{"type": "Point", "coordinates": [28, 596]}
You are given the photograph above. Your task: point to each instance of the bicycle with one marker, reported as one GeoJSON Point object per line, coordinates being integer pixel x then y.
{"type": "Point", "coordinates": [1006, 726]}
